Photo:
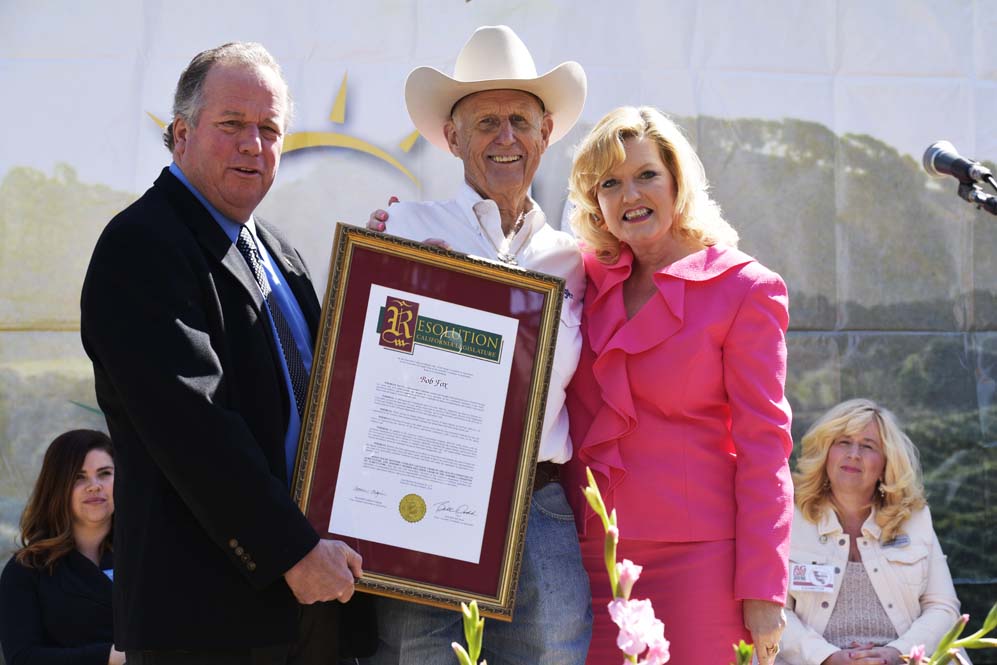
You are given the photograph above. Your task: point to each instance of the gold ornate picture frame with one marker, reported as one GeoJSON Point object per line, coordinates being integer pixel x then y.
{"type": "Point", "coordinates": [420, 437]}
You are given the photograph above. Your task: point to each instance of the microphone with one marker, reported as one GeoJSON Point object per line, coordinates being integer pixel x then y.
{"type": "Point", "coordinates": [941, 158]}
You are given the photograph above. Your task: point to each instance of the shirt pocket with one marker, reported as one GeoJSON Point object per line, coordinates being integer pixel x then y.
{"type": "Point", "coordinates": [810, 557]}
{"type": "Point", "coordinates": [808, 602]}
{"type": "Point", "coordinates": [909, 564]}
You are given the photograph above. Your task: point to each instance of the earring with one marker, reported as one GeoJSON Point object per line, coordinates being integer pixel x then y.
{"type": "Point", "coordinates": [882, 490]}
{"type": "Point", "coordinates": [826, 485]}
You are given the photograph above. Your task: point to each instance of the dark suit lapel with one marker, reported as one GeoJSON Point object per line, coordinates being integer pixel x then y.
{"type": "Point", "coordinates": [211, 236]}
{"type": "Point", "coordinates": [218, 245]}
{"type": "Point", "coordinates": [294, 271]}
{"type": "Point", "coordinates": [234, 262]}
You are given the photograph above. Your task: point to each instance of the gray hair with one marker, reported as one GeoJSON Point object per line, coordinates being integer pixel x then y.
{"type": "Point", "coordinates": [187, 100]}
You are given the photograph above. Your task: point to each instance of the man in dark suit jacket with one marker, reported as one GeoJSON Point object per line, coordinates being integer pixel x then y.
{"type": "Point", "coordinates": [214, 561]}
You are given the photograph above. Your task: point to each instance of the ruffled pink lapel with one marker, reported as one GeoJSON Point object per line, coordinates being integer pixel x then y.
{"type": "Point", "coordinates": [707, 264]}
{"type": "Point", "coordinates": [613, 338]}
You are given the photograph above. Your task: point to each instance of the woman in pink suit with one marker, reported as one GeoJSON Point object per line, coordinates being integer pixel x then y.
{"type": "Point", "coordinates": [677, 405]}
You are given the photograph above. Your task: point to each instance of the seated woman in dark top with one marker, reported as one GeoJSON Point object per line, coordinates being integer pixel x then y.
{"type": "Point", "coordinates": [55, 592]}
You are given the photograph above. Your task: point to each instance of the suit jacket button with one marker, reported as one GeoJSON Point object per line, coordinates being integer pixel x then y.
{"type": "Point", "coordinates": [251, 566]}
{"type": "Point", "coordinates": [244, 557]}
{"type": "Point", "coordinates": [233, 543]}
{"type": "Point", "coordinates": [824, 604]}
{"type": "Point", "coordinates": [239, 551]}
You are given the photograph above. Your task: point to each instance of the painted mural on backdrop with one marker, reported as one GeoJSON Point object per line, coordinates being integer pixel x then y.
{"type": "Point", "coordinates": [893, 288]}
{"type": "Point", "coordinates": [49, 224]}
{"type": "Point", "coordinates": [302, 140]}
{"type": "Point", "coordinates": [826, 211]}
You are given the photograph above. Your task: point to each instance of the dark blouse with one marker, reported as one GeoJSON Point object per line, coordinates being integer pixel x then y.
{"type": "Point", "coordinates": [62, 618]}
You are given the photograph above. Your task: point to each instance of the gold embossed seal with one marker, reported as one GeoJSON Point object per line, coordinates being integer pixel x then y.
{"type": "Point", "coordinates": [412, 507]}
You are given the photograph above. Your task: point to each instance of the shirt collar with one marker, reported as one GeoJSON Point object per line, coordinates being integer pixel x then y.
{"type": "Point", "coordinates": [699, 266]}
{"type": "Point", "coordinates": [230, 227]}
{"type": "Point", "coordinates": [706, 263]}
{"type": "Point", "coordinates": [829, 524]}
{"type": "Point", "coordinates": [487, 213]}
{"type": "Point", "coordinates": [870, 528]}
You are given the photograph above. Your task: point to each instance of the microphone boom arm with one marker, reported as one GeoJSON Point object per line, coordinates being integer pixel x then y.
{"type": "Point", "coordinates": [971, 192]}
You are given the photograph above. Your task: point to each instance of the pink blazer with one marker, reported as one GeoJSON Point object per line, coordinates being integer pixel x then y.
{"type": "Point", "coordinates": [680, 411]}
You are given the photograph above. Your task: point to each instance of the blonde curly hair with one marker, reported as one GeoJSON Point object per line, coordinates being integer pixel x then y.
{"type": "Point", "coordinates": [901, 488]}
{"type": "Point", "coordinates": [696, 215]}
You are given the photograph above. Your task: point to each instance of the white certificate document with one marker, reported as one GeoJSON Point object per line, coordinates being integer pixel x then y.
{"type": "Point", "coordinates": [423, 431]}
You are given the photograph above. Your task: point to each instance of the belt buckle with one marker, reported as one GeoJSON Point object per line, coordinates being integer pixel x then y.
{"type": "Point", "coordinates": [546, 473]}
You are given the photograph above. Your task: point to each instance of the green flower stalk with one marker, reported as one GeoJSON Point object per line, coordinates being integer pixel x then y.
{"type": "Point", "coordinates": [609, 525]}
{"type": "Point", "coordinates": [595, 500]}
{"type": "Point", "coordinates": [949, 648]}
{"type": "Point", "coordinates": [642, 636]}
{"type": "Point", "coordinates": [743, 653]}
{"type": "Point", "coordinates": [474, 630]}
{"type": "Point", "coordinates": [946, 644]}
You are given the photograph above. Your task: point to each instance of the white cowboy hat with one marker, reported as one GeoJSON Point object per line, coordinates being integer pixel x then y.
{"type": "Point", "coordinates": [494, 58]}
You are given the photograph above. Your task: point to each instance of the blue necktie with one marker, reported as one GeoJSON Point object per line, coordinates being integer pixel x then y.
{"type": "Point", "coordinates": [295, 366]}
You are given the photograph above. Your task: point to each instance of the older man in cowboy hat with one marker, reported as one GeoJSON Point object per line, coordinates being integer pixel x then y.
{"type": "Point", "coordinates": [498, 117]}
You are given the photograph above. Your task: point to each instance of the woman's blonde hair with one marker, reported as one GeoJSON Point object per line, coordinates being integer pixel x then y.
{"type": "Point", "coordinates": [901, 490]}
{"type": "Point", "coordinates": [696, 215]}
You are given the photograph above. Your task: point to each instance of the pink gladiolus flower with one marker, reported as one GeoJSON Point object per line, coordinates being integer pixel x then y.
{"type": "Point", "coordinates": [916, 654]}
{"type": "Point", "coordinates": [657, 651]}
{"type": "Point", "coordinates": [613, 533]}
{"type": "Point", "coordinates": [655, 634]}
{"type": "Point", "coordinates": [637, 625]}
{"type": "Point", "coordinates": [628, 572]}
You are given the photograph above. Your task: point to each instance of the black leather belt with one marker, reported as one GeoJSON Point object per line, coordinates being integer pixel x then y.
{"type": "Point", "coordinates": [547, 472]}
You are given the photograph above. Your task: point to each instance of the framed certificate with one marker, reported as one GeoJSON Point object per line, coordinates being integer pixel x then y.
{"type": "Point", "coordinates": [424, 416]}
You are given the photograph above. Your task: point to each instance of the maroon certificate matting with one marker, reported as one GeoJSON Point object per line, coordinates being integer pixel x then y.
{"type": "Point", "coordinates": [362, 259]}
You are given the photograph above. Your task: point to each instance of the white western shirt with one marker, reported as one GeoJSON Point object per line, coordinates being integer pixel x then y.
{"type": "Point", "coordinates": [472, 225]}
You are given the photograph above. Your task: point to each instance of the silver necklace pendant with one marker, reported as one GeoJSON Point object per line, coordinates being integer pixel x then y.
{"type": "Point", "coordinates": [507, 258]}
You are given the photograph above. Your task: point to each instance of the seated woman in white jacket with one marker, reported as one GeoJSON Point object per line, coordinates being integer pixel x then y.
{"type": "Point", "coordinates": [868, 579]}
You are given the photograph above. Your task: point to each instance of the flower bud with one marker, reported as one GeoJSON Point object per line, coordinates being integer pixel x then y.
{"type": "Point", "coordinates": [628, 573]}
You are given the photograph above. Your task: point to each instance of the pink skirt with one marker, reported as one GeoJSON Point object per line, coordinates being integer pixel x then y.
{"type": "Point", "coordinates": [691, 586]}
